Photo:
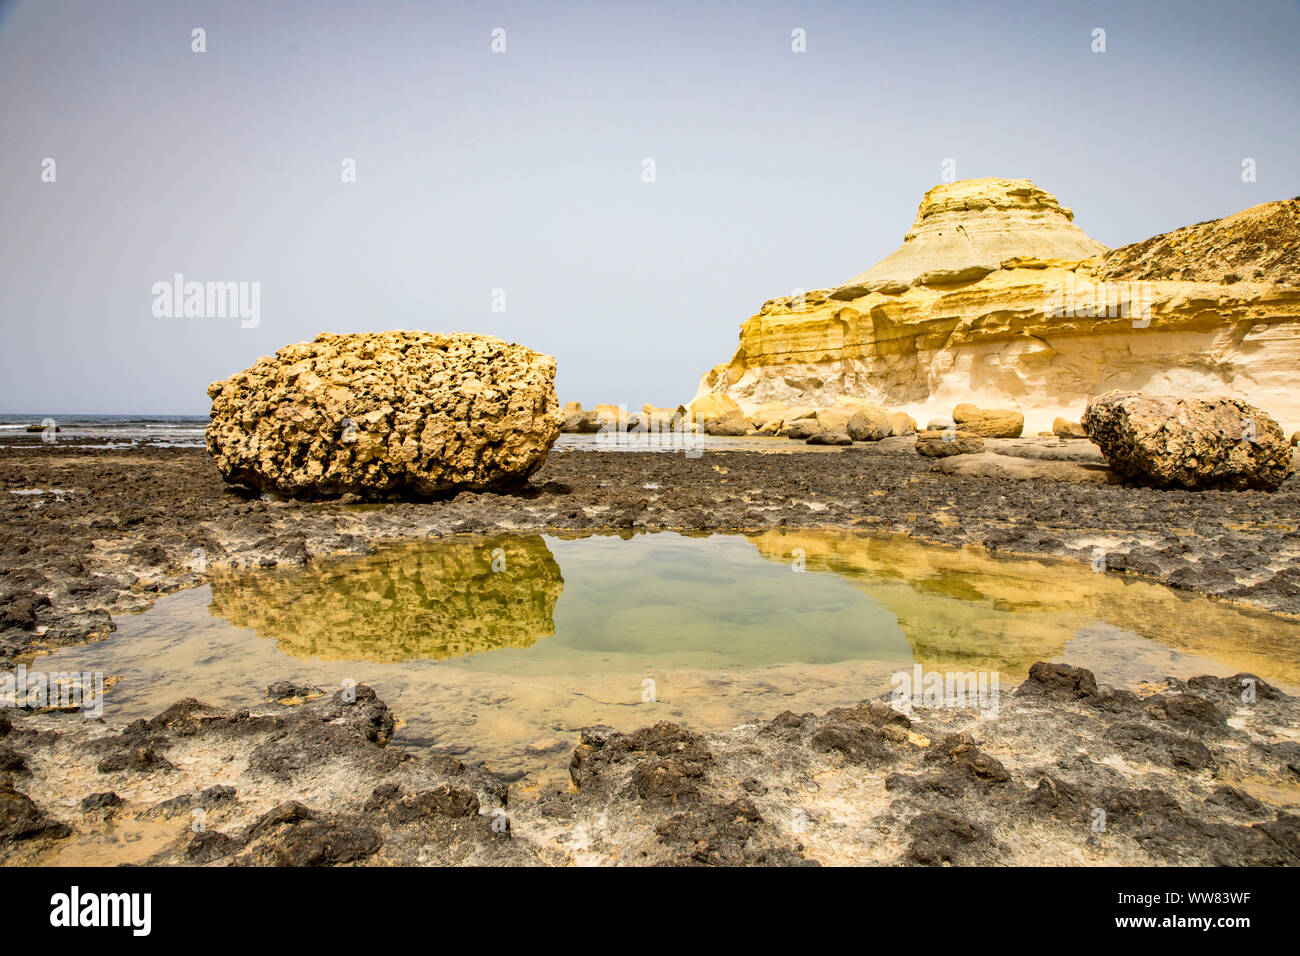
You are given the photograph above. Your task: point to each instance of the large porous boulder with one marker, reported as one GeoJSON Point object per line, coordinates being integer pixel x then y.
{"type": "Point", "coordinates": [988, 422]}
{"type": "Point", "coordinates": [384, 414]}
{"type": "Point", "coordinates": [1170, 442]}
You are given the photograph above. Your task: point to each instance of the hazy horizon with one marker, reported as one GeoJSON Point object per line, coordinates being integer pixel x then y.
{"type": "Point", "coordinates": [522, 170]}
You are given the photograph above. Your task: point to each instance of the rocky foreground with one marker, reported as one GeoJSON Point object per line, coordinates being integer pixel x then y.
{"type": "Point", "coordinates": [1067, 773]}
{"type": "Point", "coordinates": [1181, 773]}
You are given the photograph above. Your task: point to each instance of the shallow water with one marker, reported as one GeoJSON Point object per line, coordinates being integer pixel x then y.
{"type": "Point", "coordinates": [501, 649]}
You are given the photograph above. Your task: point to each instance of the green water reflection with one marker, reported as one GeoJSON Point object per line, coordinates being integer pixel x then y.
{"type": "Point", "coordinates": [731, 602]}
{"type": "Point", "coordinates": [502, 603]}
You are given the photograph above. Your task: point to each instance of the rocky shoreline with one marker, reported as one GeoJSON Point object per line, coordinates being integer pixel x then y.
{"type": "Point", "coordinates": [111, 530]}
{"type": "Point", "coordinates": [1066, 774]}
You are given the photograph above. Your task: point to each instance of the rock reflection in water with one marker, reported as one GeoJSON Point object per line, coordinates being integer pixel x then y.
{"type": "Point", "coordinates": [652, 601]}
{"type": "Point", "coordinates": [415, 601]}
{"type": "Point", "coordinates": [966, 609]}
{"type": "Point", "coordinates": [506, 666]}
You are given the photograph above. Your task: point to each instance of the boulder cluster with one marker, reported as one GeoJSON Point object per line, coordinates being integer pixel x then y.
{"type": "Point", "coordinates": [845, 421]}
{"type": "Point", "coordinates": [1158, 441]}
{"type": "Point", "coordinates": [603, 418]}
{"type": "Point", "coordinates": [1152, 440]}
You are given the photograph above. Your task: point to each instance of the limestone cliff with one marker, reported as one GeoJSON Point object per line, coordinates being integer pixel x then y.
{"type": "Point", "coordinates": [996, 298]}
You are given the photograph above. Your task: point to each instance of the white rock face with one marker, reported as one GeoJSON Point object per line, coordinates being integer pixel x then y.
{"type": "Point", "coordinates": [967, 229]}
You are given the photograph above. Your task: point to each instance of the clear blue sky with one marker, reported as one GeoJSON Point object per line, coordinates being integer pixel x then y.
{"type": "Point", "coordinates": [522, 170]}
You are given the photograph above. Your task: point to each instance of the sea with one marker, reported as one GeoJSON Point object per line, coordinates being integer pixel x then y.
{"type": "Point", "coordinates": [186, 431]}
{"type": "Point", "coordinates": [106, 431]}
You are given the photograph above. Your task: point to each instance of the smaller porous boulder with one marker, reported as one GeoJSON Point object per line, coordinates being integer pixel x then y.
{"type": "Point", "coordinates": [988, 422]}
{"type": "Point", "coordinates": [1064, 428]}
{"type": "Point", "coordinates": [386, 414]}
{"type": "Point", "coordinates": [946, 443]}
{"type": "Point", "coordinates": [1169, 442]}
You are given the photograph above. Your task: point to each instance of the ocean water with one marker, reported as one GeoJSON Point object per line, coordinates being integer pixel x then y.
{"type": "Point", "coordinates": [186, 431]}
{"type": "Point", "coordinates": [106, 431]}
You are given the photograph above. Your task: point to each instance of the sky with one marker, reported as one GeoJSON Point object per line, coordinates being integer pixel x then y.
{"type": "Point", "coordinates": [507, 192]}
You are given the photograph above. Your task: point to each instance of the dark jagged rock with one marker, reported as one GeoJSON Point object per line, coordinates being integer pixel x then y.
{"type": "Point", "coordinates": [1059, 681]}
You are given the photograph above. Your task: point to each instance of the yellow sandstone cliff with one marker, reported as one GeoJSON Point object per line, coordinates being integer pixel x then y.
{"type": "Point", "coordinates": [996, 298]}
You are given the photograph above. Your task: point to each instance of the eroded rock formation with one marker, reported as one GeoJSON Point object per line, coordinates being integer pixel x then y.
{"type": "Point", "coordinates": [996, 298]}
